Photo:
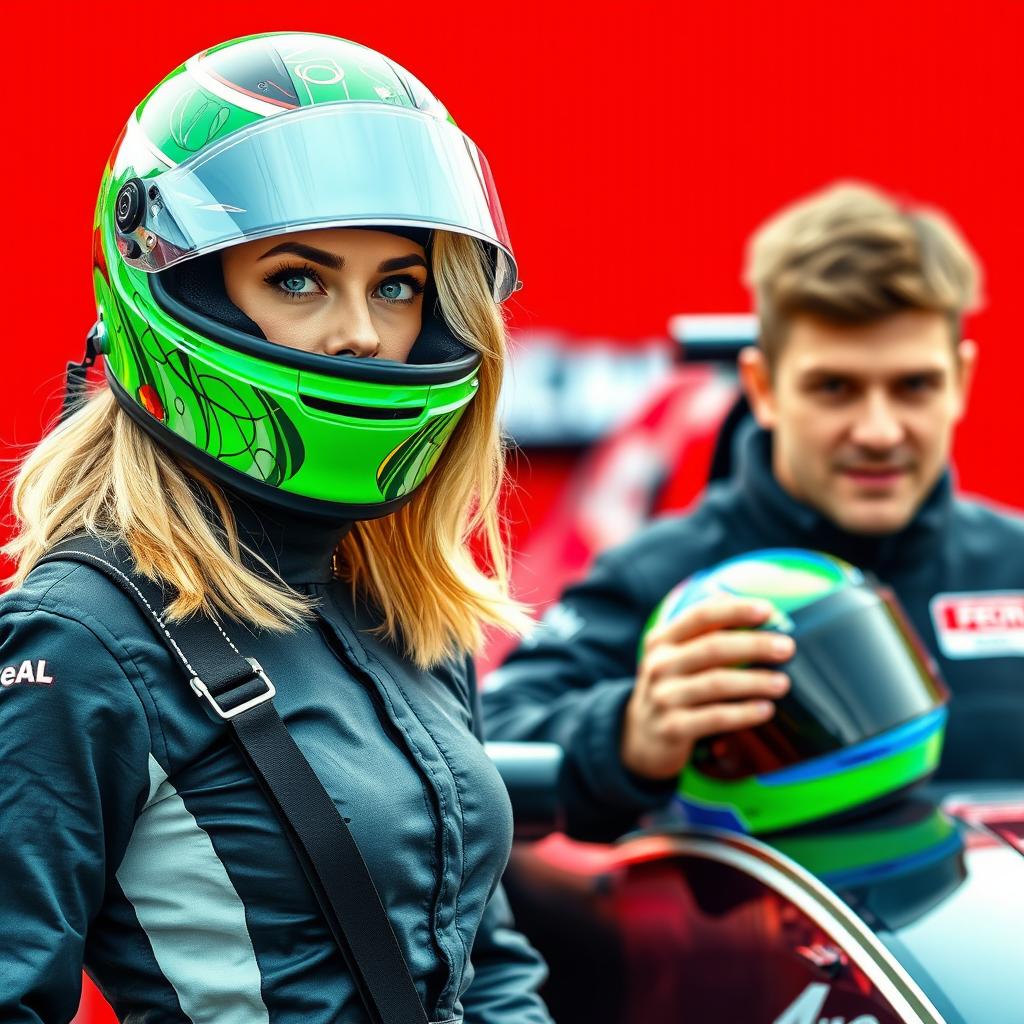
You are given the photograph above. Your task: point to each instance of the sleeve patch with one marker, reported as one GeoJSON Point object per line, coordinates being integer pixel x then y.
{"type": "Point", "coordinates": [33, 672]}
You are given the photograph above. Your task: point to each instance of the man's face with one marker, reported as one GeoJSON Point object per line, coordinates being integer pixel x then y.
{"type": "Point", "coordinates": [862, 416]}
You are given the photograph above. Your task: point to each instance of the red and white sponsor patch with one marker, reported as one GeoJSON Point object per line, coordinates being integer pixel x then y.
{"type": "Point", "coordinates": [984, 624]}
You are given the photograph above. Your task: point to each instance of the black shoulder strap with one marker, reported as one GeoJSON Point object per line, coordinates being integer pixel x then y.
{"type": "Point", "coordinates": [239, 691]}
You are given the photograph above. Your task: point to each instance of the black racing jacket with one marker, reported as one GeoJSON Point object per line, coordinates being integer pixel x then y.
{"type": "Point", "coordinates": [957, 568]}
{"type": "Point", "coordinates": [135, 841]}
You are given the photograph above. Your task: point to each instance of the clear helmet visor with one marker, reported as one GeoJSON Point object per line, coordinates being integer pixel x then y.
{"type": "Point", "coordinates": [345, 164]}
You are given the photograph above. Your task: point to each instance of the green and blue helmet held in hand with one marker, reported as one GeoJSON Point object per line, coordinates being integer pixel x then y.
{"type": "Point", "coordinates": [864, 717]}
{"type": "Point", "coordinates": [250, 139]}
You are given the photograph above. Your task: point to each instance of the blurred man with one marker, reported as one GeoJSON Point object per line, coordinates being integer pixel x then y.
{"type": "Point", "coordinates": [859, 379]}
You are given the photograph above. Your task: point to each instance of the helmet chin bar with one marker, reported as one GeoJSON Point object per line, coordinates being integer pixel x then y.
{"type": "Point", "coordinates": [314, 508]}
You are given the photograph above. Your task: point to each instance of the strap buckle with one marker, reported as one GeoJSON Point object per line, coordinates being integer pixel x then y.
{"type": "Point", "coordinates": [202, 690]}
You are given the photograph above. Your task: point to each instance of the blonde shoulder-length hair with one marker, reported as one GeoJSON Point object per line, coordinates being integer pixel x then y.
{"type": "Point", "coordinates": [100, 472]}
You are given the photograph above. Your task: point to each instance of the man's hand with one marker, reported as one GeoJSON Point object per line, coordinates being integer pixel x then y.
{"type": "Point", "coordinates": [688, 685]}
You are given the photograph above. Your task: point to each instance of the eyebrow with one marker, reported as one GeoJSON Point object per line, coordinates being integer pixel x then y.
{"type": "Point", "coordinates": [328, 259]}
{"type": "Point", "coordinates": [402, 263]}
{"type": "Point", "coordinates": [900, 373]}
{"type": "Point", "coordinates": [307, 252]}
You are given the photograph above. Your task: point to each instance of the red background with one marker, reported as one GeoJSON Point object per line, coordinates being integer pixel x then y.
{"type": "Point", "coordinates": [635, 145]}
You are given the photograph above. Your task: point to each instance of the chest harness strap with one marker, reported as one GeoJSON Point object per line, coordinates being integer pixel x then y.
{"type": "Point", "coordinates": [241, 694]}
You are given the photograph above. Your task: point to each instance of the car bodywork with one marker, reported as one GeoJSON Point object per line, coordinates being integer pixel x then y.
{"type": "Point", "coordinates": [907, 913]}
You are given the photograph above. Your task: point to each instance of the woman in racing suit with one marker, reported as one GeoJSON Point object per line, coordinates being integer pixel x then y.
{"type": "Point", "coordinates": [298, 265]}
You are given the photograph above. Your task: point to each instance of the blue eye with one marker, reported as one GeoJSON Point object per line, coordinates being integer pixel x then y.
{"type": "Point", "coordinates": [298, 284]}
{"type": "Point", "coordinates": [396, 291]}
{"type": "Point", "coordinates": [399, 289]}
{"type": "Point", "coordinates": [294, 281]}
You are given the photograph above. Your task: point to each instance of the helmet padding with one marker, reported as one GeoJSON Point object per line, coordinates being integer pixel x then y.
{"type": "Point", "coordinates": [199, 284]}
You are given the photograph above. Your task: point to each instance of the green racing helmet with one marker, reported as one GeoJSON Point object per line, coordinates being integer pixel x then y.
{"type": "Point", "coordinates": [865, 714]}
{"type": "Point", "coordinates": [249, 139]}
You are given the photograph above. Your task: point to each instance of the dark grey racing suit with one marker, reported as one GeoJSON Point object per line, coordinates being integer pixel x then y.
{"type": "Point", "coordinates": [134, 839]}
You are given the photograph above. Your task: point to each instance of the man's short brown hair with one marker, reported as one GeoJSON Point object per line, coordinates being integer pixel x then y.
{"type": "Point", "coordinates": [851, 255]}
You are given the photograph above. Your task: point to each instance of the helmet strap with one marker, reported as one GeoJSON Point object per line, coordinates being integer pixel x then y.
{"type": "Point", "coordinates": [77, 373]}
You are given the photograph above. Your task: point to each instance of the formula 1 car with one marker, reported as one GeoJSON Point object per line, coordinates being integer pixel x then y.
{"type": "Point", "coordinates": [908, 913]}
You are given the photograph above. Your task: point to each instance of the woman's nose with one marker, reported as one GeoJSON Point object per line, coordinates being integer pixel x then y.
{"type": "Point", "coordinates": [352, 332]}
